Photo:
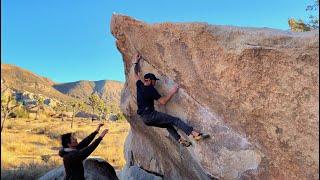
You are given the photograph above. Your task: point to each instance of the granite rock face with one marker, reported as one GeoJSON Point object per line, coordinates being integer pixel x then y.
{"type": "Point", "coordinates": [256, 90]}
{"type": "Point", "coordinates": [135, 172]}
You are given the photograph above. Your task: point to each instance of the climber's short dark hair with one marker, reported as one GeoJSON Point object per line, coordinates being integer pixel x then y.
{"type": "Point", "coordinates": [66, 139]}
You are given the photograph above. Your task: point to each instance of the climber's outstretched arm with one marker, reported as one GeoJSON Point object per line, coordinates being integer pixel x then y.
{"type": "Point", "coordinates": [164, 99]}
{"type": "Point", "coordinates": [137, 68]}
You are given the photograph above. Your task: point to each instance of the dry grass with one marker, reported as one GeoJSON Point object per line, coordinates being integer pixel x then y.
{"type": "Point", "coordinates": [26, 171]}
{"type": "Point", "coordinates": [35, 143]}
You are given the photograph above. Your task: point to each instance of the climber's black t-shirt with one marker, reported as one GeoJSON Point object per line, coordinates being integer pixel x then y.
{"type": "Point", "coordinates": [145, 97]}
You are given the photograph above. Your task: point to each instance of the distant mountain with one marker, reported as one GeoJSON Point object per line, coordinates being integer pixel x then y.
{"type": "Point", "coordinates": [106, 89]}
{"type": "Point", "coordinates": [23, 80]}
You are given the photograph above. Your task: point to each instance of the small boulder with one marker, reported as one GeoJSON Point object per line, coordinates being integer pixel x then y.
{"type": "Point", "coordinates": [83, 114]}
{"type": "Point", "coordinates": [113, 117]}
{"type": "Point", "coordinates": [94, 169]}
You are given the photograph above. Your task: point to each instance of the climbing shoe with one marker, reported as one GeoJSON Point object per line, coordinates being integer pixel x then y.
{"type": "Point", "coordinates": [201, 136]}
{"type": "Point", "coordinates": [184, 142]}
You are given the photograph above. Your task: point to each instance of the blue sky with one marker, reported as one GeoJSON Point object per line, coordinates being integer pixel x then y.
{"type": "Point", "coordinates": [70, 40]}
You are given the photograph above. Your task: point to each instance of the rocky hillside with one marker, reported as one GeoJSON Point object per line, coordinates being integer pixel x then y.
{"type": "Point", "coordinates": [23, 80]}
{"type": "Point", "coordinates": [256, 90]}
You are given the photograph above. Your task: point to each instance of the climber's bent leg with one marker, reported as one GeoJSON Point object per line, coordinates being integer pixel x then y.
{"type": "Point", "coordinates": [172, 131]}
{"type": "Point", "coordinates": [160, 119]}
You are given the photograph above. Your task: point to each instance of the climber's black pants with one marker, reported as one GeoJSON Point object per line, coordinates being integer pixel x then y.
{"type": "Point", "coordinates": [162, 120]}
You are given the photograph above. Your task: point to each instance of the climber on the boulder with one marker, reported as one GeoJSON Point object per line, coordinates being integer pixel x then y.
{"type": "Point", "coordinates": [146, 94]}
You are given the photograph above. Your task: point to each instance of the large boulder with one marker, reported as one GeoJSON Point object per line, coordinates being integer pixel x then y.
{"type": "Point", "coordinates": [254, 89]}
{"type": "Point", "coordinates": [94, 169]}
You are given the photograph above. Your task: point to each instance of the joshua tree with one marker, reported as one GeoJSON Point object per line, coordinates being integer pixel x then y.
{"type": "Point", "coordinates": [94, 100]}
{"type": "Point", "coordinates": [60, 107]}
{"type": "Point", "coordinates": [76, 107]}
{"type": "Point", "coordinates": [39, 105]}
{"type": "Point", "coordinates": [8, 104]}
{"type": "Point", "coordinates": [101, 108]}
{"type": "Point", "coordinates": [106, 112]}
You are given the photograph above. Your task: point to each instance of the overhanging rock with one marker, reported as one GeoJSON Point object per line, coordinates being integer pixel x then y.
{"type": "Point", "coordinates": [254, 89]}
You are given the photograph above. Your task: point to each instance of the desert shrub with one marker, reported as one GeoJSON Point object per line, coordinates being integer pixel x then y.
{"type": "Point", "coordinates": [54, 135]}
{"type": "Point", "coordinates": [9, 126]}
{"type": "Point", "coordinates": [21, 113]}
{"type": "Point", "coordinates": [39, 130]}
{"type": "Point", "coordinates": [121, 117]}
